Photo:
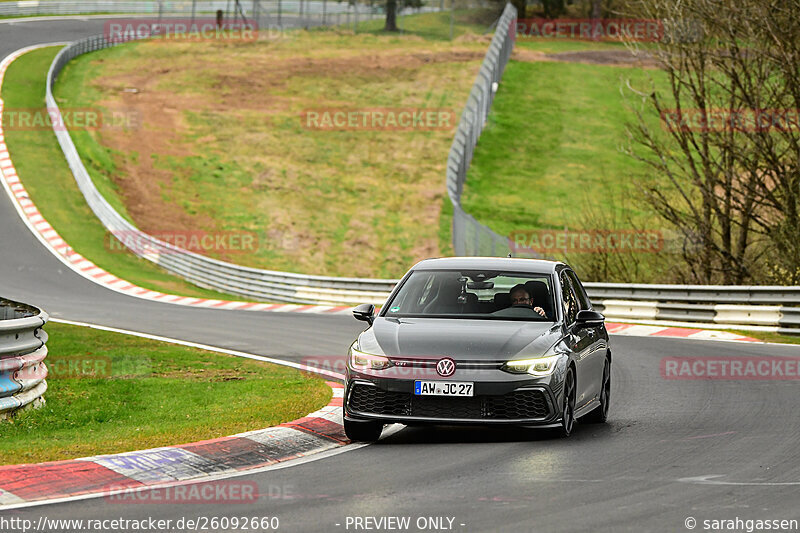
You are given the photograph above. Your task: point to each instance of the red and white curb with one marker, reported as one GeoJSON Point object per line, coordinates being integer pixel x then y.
{"type": "Point", "coordinates": [643, 330]}
{"type": "Point", "coordinates": [106, 475]}
{"type": "Point", "coordinates": [52, 241]}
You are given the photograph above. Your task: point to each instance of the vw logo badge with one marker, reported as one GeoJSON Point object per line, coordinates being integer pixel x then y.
{"type": "Point", "coordinates": [446, 367]}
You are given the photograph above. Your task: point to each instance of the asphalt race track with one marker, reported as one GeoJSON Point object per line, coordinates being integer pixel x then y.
{"type": "Point", "coordinates": [672, 449]}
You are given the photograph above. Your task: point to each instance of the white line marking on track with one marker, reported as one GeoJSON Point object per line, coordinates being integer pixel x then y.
{"type": "Point", "coordinates": [327, 373]}
{"type": "Point", "coordinates": [708, 480]}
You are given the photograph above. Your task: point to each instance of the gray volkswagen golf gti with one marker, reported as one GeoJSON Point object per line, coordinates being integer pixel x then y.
{"type": "Point", "coordinates": [479, 340]}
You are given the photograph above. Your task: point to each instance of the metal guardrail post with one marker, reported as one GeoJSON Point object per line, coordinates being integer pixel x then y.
{"type": "Point", "coordinates": [22, 354]}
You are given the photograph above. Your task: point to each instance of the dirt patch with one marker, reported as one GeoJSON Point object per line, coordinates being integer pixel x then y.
{"type": "Point", "coordinates": [529, 56]}
{"type": "Point", "coordinates": [619, 58]}
{"type": "Point", "coordinates": [624, 58]}
{"type": "Point", "coordinates": [249, 87]}
{"type": "Point", "coordinates": [144, 187]}
{"type": "Point", "coordinates": [470, 37]}
{"type": "Point", "coordinates": [211, 374]}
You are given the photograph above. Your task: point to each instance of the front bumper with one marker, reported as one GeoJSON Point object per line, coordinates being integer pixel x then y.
{"type": "Point", "coordinates": [518, 402]}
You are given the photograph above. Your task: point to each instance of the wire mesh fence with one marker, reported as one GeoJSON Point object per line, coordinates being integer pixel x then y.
{"type": "Point", "coordinates": [470, 237]}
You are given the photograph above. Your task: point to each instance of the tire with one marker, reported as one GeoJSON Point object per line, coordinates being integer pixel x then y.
{"type": "Point", "coordinates": [362, 431]}
{"type": "Point", "coordinates": [567, 406]}
{"type": "Point", "coordinates": [600, 414]}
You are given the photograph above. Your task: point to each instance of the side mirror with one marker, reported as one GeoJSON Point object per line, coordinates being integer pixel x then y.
{"type": "Point", "coordinates": [587, 318]}
{"type": "Point", "coordinates": [365, 312]}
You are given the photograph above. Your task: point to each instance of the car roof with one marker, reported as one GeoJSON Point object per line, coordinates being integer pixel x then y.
{"type": "Point", "coordinates": [514, 264]}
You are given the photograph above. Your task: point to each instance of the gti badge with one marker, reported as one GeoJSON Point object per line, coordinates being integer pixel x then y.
{"type": "Point", "coordinates": [446, 367]}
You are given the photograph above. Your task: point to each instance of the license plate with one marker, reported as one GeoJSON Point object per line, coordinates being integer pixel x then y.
{"type": "Point", "coordinates": [442, 388]}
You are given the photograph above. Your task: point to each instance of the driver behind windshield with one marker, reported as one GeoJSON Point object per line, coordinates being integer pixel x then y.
{"type": "Point", "coordinates": [521, 298]}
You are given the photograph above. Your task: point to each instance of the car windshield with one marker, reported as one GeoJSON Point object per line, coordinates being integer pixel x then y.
{"type": "Point", "coordinates": [474, 294]}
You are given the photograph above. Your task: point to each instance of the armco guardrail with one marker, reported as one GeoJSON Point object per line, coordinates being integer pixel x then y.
{"type": "Point", "coordinates": [22, 353]}
{"type": "Point", "coordinates": [707, 294]}
{"type": "Point", "coordinates": [470, 237]}
{"type": "Point", "coordinates": [204, 271]}
{"type": "Point", "coordinates": [764, 307]}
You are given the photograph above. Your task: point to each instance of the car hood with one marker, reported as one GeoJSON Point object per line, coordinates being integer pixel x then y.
{"type": "Point", "coordinates": [458, 338]}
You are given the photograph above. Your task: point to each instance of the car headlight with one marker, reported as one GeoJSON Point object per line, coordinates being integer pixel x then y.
{"type": "Point", "coordinates": [367, 361]}
{"type": "Point", "coordinates": [539, 366]}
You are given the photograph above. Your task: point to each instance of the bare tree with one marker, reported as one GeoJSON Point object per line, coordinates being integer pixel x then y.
{"type": "Point", "coordinates": [597, 9]}
{"type": "Point", "coordinates": [724, 181]}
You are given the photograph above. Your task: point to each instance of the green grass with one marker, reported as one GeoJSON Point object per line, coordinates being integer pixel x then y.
{"type": "Point", "coordinates": [550, 156]}
{"type": "Point", "coordinates": [231, 154]}
{"type": "Point", "coordinates": [131, 393]}
{"type": "Point", "coordinates": [44, 172]}
{"type": "Point", "coordinates": [551, 146]}
{"type": "Point", "coordinates": [768, 336]}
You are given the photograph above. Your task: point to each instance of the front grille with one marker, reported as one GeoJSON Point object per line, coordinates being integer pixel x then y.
{"type": "Point", "coordinates": [518, 404]}
{"type": "Point", "coordinates": [512, 406]}
{"type": "Point", "coordinates": [366, 399]}
{"type": "Point", "coordinates": [444, 407]}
